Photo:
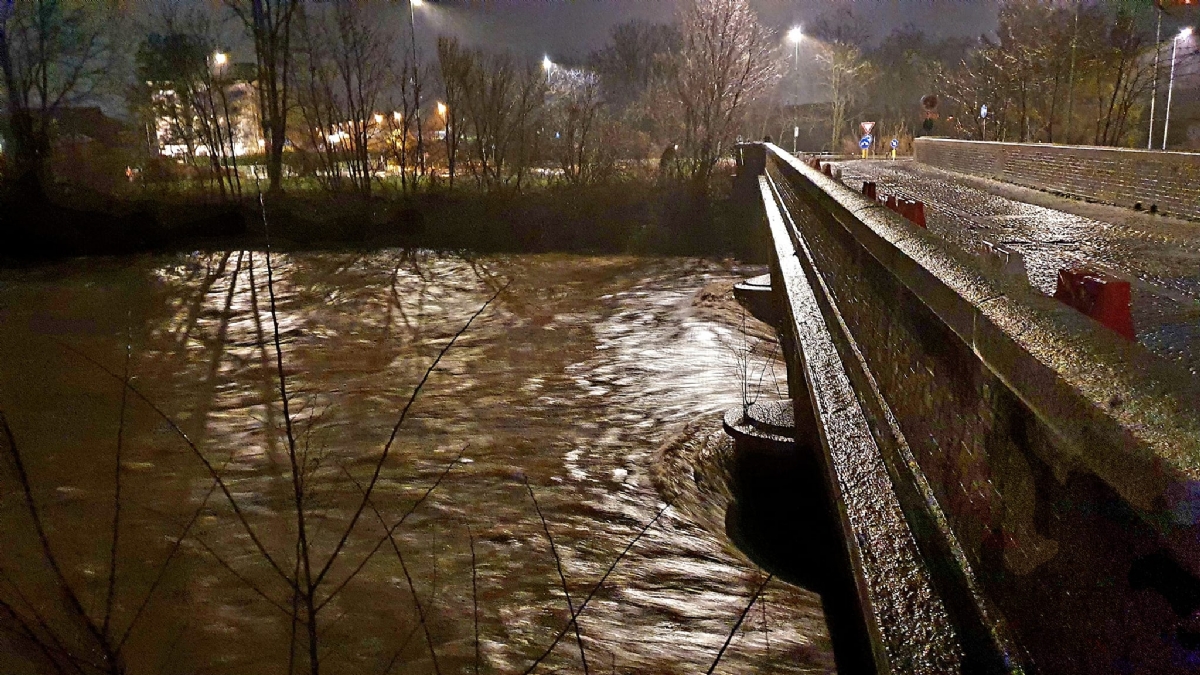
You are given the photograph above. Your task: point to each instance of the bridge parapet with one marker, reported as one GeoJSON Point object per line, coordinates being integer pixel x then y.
{"type": "Point", "coordinates": [1005, 469]}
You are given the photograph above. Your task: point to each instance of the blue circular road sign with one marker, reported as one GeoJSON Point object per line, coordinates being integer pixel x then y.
{"type": "Point", "coordinates": [895, 143]}
{"type": "Point", "coordinates": [865, 142]}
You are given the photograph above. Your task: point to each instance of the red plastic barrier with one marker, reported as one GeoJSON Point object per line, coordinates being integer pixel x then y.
{"type": "Point", "coordinates": [1104, 298]}
{"type": "Point", "coordinates": [918, 214]}
{"type": "Point", "coordinates": [891, 202]}
{"type": "Point", "coordinates": [828, 170]}
{"type": "Point", "coordinates": [868, 189]}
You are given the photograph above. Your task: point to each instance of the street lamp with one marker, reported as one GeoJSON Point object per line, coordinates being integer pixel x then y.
{"type": "Point", "coordinates": [441, 107]}
{"type": "Point", "coordinates": [547, 64]}
{"type": "Point", "coordinates": [412, 33]}
{"type": "Point", "coordinates": [220, 58]}
{"type": "Point", "coordinates": [794, 36]}
{"type": "Point", "coordinates": [1183, 35]}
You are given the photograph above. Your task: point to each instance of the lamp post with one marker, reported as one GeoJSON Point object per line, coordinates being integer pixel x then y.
{"type": "Point", "coordinates": [1154, 86]}
{"type": "Point", "coordinates": [794, 36]}
{"type": "Point", "coordinates": [412, 34]}
{"type": "Point", "coordinates": [1183, 34]}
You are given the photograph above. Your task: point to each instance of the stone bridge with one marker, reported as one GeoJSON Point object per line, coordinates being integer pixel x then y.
{"type": "Point", "coordinates": [1017, 487]}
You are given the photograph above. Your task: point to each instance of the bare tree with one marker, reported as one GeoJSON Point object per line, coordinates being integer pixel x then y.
{"type": "Point", "coordinates": [725, 62]}
{"type": "Point", "coordinates": [53, 53]}
{"type": "Point", "coordinates": [457, 66]}
{"type": "Point", "coordinates": [575, 108]}
{"type": "Point", "coordinates": [346, 60]}
{"type": "Point", "coordinates": [845, 73]}
{"type": "Point", "coordinates": [269, 24]}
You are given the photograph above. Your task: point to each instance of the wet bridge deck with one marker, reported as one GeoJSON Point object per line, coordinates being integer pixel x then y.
{"type": "Point", "coordinates": [1159, 255]}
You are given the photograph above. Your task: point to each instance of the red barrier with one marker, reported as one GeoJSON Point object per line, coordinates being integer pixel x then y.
{"type": "Point", "coordinates": [918, 214]}
{"type": "Point", "coordinates": [828, 170]}
{"type": "Point", "coordinates": [868, 189]}
{"type": "Point", "coordinates": [891, 202]}
{"type": "Point", "coordinates": [1104, 298]}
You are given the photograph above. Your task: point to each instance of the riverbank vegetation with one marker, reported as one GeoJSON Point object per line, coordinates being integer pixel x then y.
{"type": "Point", "coordinates": [107, 139]}
{"type": "Point", "coordinates": [358, 142]}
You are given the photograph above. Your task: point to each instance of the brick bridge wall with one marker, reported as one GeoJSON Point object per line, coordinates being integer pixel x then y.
{"type": "Point", "coordinates": [1111, 175]}
{"type": "Point", "coordinates": [1058, 454]}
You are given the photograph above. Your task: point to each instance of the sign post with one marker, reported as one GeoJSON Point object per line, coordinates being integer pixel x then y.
{"type": "Point", "coordinates": [795, 135]}
{"type": "Point", "coordinates": [895, 144]}
{"type": "Point", "coordinates": [864, 145]}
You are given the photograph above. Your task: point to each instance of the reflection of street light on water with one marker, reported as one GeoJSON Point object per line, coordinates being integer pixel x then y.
{"type": "Point", "coordinates": [1183, 35]}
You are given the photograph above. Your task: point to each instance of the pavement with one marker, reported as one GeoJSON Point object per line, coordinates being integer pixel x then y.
{"type": "Point", "coordinates": [1158, 255]}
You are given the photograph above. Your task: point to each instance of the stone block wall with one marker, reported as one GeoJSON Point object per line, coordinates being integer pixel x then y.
{"type": "Point", "coordinates": [1124, 177]}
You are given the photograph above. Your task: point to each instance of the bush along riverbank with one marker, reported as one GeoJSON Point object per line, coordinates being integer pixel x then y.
{"type": "Point", "coordinates": [637, 217]}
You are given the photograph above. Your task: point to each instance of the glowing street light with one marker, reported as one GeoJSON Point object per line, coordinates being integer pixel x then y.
{"type": "Point", "coordinates": [378, 118]}
{"type": "Point", "coordinates": [547, 64]}
{"type": "Point", "coordinates": [416, 3]}
{"type": "Point", "coordinates": [795, 36]}
{"type": "Point", "coordinates": [397, 116]}
{"type": "Point", "coordinates": [441, 108]}
{"type": "Point", "coordinates": [1183, 35]}
{"type": "Point", "coordinates": [220, 58]}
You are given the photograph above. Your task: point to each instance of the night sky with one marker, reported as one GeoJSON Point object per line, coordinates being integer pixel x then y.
{"type": "Point", "coordinates": [567, 29]}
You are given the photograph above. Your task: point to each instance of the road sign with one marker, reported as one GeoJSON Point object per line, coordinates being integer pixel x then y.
{"type": "Point", "coordinates": [867, 127]}
{"type": "Point", "coordinates": [983, 111]}
{"type": "Point", "coordinates": [895, 143]}
{"type": "Point", "coordinates": [795, 131]}
{"type": "Point", "coordinates": [865, 142]}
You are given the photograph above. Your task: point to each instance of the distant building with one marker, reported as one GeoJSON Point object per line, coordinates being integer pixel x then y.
{"type": "Point", "coordinates": [203, 120]}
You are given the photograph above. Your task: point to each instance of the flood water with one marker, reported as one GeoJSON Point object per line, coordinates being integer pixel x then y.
{"type": "Point", "coordinates": [572, 380]}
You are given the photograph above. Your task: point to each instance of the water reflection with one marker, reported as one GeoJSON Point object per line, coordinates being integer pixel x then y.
{"type": "Point", "coordinates": [579, 371]}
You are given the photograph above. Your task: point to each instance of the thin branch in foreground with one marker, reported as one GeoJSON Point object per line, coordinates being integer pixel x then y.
{"type": "Point", "coordinates": [596, 588]}
{"type": "Point", "coordinates": [395, 430]}
{"type": "Point", "coordinates": [240, 577]}
{"type": "Point", "coordinates": [412, 587]}
{"type": "Point", "coordinates": [72, 598]}
{"type": "Point", "coordinates": [738, 623]}
{"type": "Point", "coordinates": [390, 530]}
{"type": "Point", "coordinates": [474, 593]}
{"type": "Point", "coordinates": [562, 577]}
{"type": "Point", "coordinates": [162, 571]}
{"type": "Point", "coordinates": [216, 476]}
{"type": "Point", "coordinates": [116, 522]}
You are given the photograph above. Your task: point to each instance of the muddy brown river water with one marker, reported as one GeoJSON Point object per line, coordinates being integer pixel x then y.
{"type": "Point", "coordinates": [572, 380]}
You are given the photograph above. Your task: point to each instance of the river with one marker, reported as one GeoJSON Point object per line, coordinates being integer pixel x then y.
{"type": "Point", "coordinates": [572, 381]}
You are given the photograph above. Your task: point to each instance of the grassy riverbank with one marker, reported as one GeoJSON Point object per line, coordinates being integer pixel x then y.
{"type": "Point", "coordinates": [628, 217]}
